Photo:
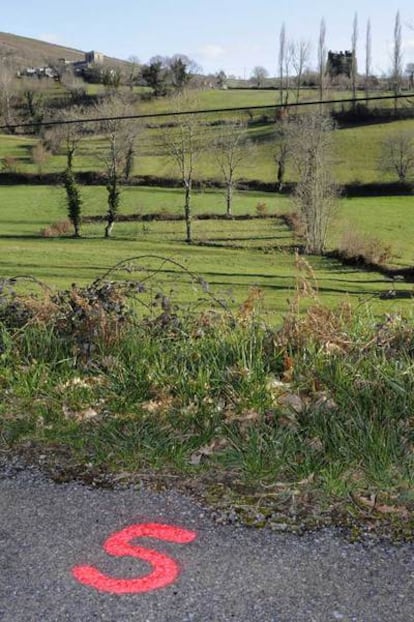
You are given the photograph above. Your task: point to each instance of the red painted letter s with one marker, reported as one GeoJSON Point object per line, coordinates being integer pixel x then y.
{"type": "Point", "coordinates": [165, 569]}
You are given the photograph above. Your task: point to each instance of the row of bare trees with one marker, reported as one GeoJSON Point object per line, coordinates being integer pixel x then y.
{"type": "Point", "coordinates": [183, 142]}
{"type": "Point", "coordinates": [117, 155]}
{"type": "Point", "coordinates": [293, 57]}
{"type": "Point", "coordinates": [306, 141]}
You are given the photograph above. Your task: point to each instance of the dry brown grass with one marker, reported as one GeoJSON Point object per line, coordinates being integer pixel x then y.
{"type": "Point", "coordinates": [360, 246]}
{"type": "Point", "coordinates": [56, 229]}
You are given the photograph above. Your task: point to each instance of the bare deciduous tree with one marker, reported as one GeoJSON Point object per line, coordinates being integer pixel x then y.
{"type": "Point", "coordinates": [282, 54]}
{"type": "Point", "coordinates": [282, 149]}
{"type": "Point", "coordinates": [66, 136]}
{"type": "Point", "coordinates": [311, 148]}
{"type": "Point", "coordinates": [367, 58]}
{"type": "Point", "coordinates": [409, 70]}
{"type": "Point", "coordinates": [288, 61]}
{"type": "Point", "coordinates": [397, 156]}
{"type": "Point", "coordinates": [354, 41]}
{"type": "Point", "coordinates": [40, 156]}
{"type": "Point", "coordinates": [183, 146]}
{"type": "Point", "coordinates": [230, 151]}
{"type": "Point", "coordinates": [322, 58]}
{"type": "Point", "coordinates": [287, 53]}
{"type": "Point", "coordinates": [397, 59]}
{"type": "Point", "coordinates": [7, 90]}
{"type": "Point", "coordinates": [300, 56]}
{"type": "Point", "coordinates": [75, 86]}
{"type": "Point", "coordinates": [133, 71]}
{"type": "Point", "coordinates": [259, 75]}
{"type": "Point", "coordinates": [120, 136]}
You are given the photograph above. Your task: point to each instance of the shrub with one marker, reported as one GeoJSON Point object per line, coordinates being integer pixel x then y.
{"type": "Point", "coordinates": [364, 248]}
{"type": "Point", "coordinates": [56, 229]}
{"type": "Point", "coordinates": [262, 209]}
{"type": "Point", "coordinates": [39, 156]}
{"type": "Point", "coordinates": [9, 164]}
{"type": "Point", "coordinates": [295, 223]}
{"type": "Point", "coordinates": [81, 318]}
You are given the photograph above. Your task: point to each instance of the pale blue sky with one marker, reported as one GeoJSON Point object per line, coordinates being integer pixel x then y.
{"type": "Point", "coordinates": [234, 35]}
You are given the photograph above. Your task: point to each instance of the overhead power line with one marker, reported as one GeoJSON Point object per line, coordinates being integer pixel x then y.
{"type": "Point", "coordinates": [157, 115]}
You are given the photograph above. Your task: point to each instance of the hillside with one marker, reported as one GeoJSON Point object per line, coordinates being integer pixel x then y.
{"type": "Point", "coordinates": [31, 52]}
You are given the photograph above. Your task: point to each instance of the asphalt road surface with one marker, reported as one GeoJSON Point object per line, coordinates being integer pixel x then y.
{"type": "Point", "coordinates": [69, 552]}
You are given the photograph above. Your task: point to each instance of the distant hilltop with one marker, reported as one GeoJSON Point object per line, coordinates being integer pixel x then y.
{"type": "Point", "coordinates": [23, 52]}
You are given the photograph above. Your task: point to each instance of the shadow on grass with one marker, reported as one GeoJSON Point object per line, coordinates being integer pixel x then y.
{"type": "Point", "coordinates": [29, 267]}
{"type": "Point", "coordinates": [397, 295]}
{"type": "Point", "coordinates": [244, 239]}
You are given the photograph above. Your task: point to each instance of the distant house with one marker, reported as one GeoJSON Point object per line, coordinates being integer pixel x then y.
{"type": "Point", "coordinates": [37, 72]}
{"type": "Point", "coordinates": [94, 58]}
{"type": "Point", "coordinates": [91, 58]}
{"type": "Point", "coordinates": [29, 71]}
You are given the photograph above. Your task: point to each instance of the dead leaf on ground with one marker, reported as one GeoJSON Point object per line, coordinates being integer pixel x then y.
{"type": "Point", "coordinates": [392, 509]}
{"type": "Point", "coordinates": [367, 503]}
{"type": "Point", "coordinates": [315, 443]}
{"type": "Point", "coordinates": [372, 505]}
{"type": "Point", "coordinates": [331, 347]}
{"type": "Point", "coordinates": [159, 405]}
{"type": "Point", "coordinates": [276, 387]}
{"type": "Point", "coordinates": [217, 445]}
{"type": "Point", "coordinates": [82, 383]}
{"type": "Point", "coordinates": [324, 402]}
{"type": "Point", "coordinates": [288, 420]}
{"type": "Point", "coordinates": [276, 384]}
{"type": "Point", "coordinates": [86, 415]}
{"type": "Point", "coordinates": [292, 402]}
{"type": "Point", "coordinates": [245, 419]}
{"type": "Point", "coordinates": [288, 368]}
{"type": "Point", "coordinates": [307, 480]}
{"type": "Point", "coordinates": [81, 415]}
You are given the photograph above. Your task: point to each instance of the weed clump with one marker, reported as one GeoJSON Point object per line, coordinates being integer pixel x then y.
{"type": "Point", "coordinates": [262, 209]}
{"type": "Point", "coordinates": [364, 249]}
{"type": "Point", "coordinates": [56, 229]}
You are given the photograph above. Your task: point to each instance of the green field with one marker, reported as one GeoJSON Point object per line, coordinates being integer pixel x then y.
{"type": "Point", "coordinates": [232, 256]}
{"type": "Point", "coordinates": [356, 148]}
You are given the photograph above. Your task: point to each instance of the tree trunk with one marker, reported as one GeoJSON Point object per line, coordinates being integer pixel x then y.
{"type": "Point", "coordinates": [187, 213]}
{"type": "Point", "coordinates": [109, 227]}
{"type": "Point", "coordinates": [229, 200]}
{"type": "Point", "coordinates": [70, 158]}
{"type": "Point", "coordinates": [280, 173]}
{"type": "Point", "coordinates": [281, 164]}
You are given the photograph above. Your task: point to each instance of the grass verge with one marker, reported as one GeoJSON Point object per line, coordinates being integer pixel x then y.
{"type": "Point", "coordinates": [295, 427]}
